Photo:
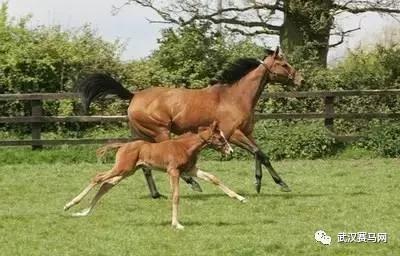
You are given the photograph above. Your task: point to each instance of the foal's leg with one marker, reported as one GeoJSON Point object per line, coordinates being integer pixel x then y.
{"type": "Point", "coordinates": [174, 181]}
{"type": "Point", "coordinates": [239, 139]}
{"type": "Point", "coordinates": [162, 136]}
{"type": "Point", "coordinates": [91, 185]}
{"type": "Point", "coordinates": [125, 162]}
{"type": "Point", "coordinates": [105, 187]}
{"type": "Point", "coordinates": [214, 180]}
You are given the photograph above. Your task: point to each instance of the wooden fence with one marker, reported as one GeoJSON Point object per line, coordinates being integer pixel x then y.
{"type": "Point", "coordinates": [37, 117]}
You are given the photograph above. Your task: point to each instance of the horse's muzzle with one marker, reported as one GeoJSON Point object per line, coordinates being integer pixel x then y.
{"type": "Point", "coordinates": [297, 79]}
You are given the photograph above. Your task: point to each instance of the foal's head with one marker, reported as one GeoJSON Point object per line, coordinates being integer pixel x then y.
{"type": "Point", "coordinates": [280, 70]}
{"type": "Point", "coordinates": [214, 138]}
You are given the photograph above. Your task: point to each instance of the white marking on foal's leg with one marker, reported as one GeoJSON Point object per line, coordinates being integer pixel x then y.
{"type": "Point", "coordinates": [105, 187]}
{"type": "Point", "coordinates": [83, 213]}
{"type": "Point", "coordinates": [174, 182]}
{"type": "Point", "coordinates": [214, 180]}
{"type": "Point", "coordinates": [79, 197]}
{"type": "Point", "coordinates": [177, 225]}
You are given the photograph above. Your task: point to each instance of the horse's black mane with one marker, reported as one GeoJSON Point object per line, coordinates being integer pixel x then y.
{"type": "Point", "coordinates": [234, 71]}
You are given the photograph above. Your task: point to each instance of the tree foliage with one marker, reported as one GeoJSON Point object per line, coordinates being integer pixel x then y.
{"type": "Point", "coordinates": [303, 26]}
{"type": "Point", "coordinates": [49, 59]}
{"type": "Point", "coordinates": [189, 57]}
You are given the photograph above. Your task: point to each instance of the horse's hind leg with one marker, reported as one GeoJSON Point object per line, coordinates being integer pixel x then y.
{"type": "Point", "coordinates": [150, 183]}
{"type": "Point", "coordinates": [214, 180]}
{"type": "Point", "coordinates": [192, 183]}
{"type": "Point", "coordinates": [146, 171]}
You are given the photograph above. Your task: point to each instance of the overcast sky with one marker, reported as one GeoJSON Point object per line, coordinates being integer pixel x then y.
{"type": "Point", "coordinates": [131, 24]}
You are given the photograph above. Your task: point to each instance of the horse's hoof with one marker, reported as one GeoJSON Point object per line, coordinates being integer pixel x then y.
{"type": "Point", "coordinates": [243, 200]}
{"type": "Point", "coordinates": [285, 188]}
{"type": "Point", "coordinates": [158, 195]}
{"type": "Point", "coordinates": [258, 188]}
{"type": "Point", "coordinates": [196, 187]}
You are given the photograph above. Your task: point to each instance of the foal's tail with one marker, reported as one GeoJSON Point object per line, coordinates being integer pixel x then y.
{"type": "Point", "coordinates": [100, 152]}
{"type": "Point", "coordinates": [99, 85]}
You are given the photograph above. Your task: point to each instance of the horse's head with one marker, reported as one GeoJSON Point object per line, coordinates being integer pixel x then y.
{"type": "Point", "coordinates": [279, 70]}
{"type": "Point", "coordinates": [214, 138]}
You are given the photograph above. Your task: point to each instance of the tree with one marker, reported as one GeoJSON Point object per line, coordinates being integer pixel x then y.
{"type": "Point", "coordinates": [49, 59]}
{"type": "Point", "coordinates": [303, 26]}
{"type": "Point", "coordinates": [189, 56]}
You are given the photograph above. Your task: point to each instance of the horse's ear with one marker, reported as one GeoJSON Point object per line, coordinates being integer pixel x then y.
{"type": "Point", "coordinates": [276, 53]}
{"type": "Point", "coordinates": [268, 52]}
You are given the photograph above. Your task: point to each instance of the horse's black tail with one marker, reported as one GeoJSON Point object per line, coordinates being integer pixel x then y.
{"type": "Point", "coordinates": [99, 85]}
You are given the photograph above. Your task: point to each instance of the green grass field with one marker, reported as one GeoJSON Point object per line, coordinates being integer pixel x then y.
{"type": "Point", "coordinates": [333, 195]}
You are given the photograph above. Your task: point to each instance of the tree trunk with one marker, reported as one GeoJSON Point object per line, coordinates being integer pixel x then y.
{"type": "Point", "coordinates": [305, 30]}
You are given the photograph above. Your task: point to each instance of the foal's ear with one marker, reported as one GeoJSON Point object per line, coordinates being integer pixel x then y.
{"type": "Point", "coordinates": [202, 129]}
{"type": "Point", "coordinates": [214, 126]}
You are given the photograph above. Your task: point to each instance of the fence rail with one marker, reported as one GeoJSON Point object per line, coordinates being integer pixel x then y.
{"type": "Point", "coordinates": [37, 118]}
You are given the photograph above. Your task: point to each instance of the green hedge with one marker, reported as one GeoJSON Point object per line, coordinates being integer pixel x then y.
{"type": "Point", "coordinates": [383, 138]}
{"type": "Point", "coordinates": [280, 140]}
{"type": "Point", "coordinates": [48, 59]}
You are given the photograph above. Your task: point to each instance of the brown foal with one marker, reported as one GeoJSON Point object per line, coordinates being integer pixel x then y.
{"type": "Point", "coordinates": [174, 156]}
{"type": "Point", "coordinates": [156, 112]}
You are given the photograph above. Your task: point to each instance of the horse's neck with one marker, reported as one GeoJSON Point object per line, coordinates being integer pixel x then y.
{"type": "Point", "coordinates": [250, 87]}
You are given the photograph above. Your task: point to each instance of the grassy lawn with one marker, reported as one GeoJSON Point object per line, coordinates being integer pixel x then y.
{"type": "Point", "coordinates": [333, 195]}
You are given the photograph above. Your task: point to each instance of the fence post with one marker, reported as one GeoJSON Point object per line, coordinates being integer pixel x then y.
{"type": "Point", "coordinates": [329, 109]}
{"type": "Point", "coordinates": [37, 110]}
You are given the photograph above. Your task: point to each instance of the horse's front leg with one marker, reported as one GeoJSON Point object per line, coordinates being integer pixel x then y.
{"type": "Point", "coordinates": [238, 138]}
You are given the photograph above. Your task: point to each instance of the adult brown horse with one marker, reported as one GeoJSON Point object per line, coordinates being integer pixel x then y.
{"type": "Point", "coordinates": [155, 112]}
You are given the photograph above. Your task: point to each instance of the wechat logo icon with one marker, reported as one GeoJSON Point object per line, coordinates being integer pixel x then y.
{"type": "Point", "coordinates": [322, 237]}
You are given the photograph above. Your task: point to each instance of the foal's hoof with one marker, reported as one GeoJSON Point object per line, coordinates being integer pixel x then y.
{"type": "Point", "coordinates": [243, 200]}
{"type": "Point", "coordinates": [178, 226]}
{"type": "Point", "coordinates": [285, 188]}
{"type": "Point", "coordinates": [67, 206]}
{"type": "Point", "coordinates": [82, 213]}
